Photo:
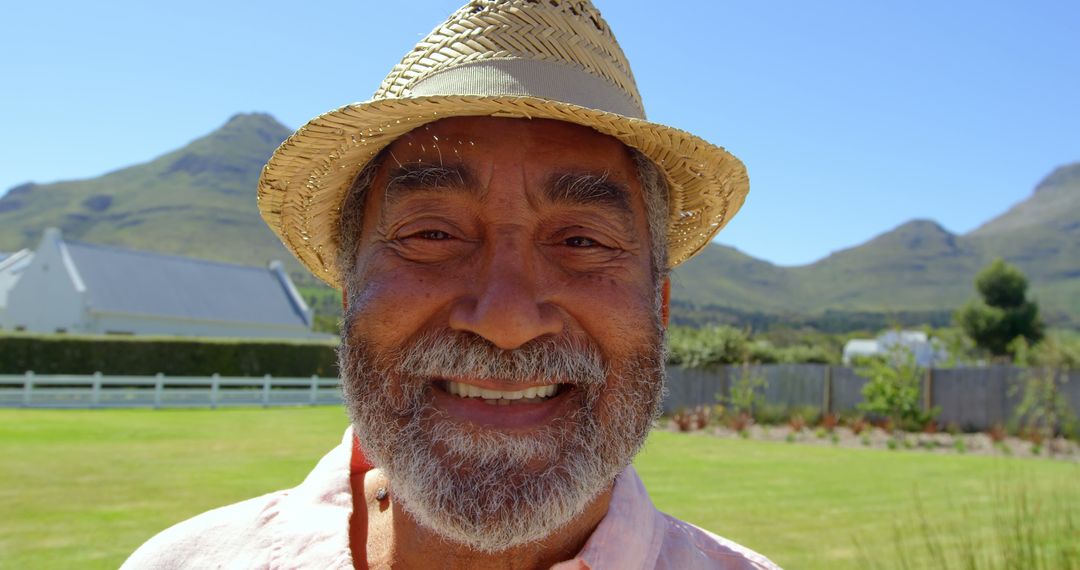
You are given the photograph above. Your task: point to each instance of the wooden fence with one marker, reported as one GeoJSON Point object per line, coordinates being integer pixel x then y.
{"type": "Point", "coordinates": [97, 391]}
{"type": "Point", "coordinates": [973, 398]}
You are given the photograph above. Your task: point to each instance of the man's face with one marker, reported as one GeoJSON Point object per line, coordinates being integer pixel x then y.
{"type": "Point", "coordinates": [502, 347]}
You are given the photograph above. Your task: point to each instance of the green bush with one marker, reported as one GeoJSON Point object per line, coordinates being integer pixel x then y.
{"type": "Point", "coordinates": [746, 397]}
{"type": "Point", "coordinates": [771, 414]}
{"type": "Point", "coordinates": [707, 347]}
{"type": "Point", "coordinates": [893, 389]}
{"type": "Point", "coordinates": [719, 345]}
{"type": "Point", "coordinates": [170, 356]}
{"type": "Point", "coordinates": [777, 414]}
{"type": "Point", "coordinates": [800, 354]}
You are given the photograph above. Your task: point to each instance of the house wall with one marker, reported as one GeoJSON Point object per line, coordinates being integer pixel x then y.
{"type": "Point", "coordinates": [115, 323]}
{"type": "Point", "coordinates": [49, 295]}
{"type": "Point", "coordinates": [10, 270]}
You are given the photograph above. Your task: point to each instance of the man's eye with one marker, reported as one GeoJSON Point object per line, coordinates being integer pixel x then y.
{"type": "Point", "coordinates": [579, 241]}
{"type": "Point", "coordinates": [434, 235]}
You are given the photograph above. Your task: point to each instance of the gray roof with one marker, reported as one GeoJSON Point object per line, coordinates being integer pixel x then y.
{"type": "Point", "coordinates": [147, 283]}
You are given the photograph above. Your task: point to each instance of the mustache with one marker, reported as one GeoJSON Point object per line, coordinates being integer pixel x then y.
{"type": "Point", "coordinates": [565, 359]}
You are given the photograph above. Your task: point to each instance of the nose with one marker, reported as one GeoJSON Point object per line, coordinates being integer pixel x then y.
{"type": "Point", "coordinates": [506, 306]}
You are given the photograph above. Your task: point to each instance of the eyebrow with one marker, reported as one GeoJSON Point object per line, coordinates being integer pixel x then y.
{"type": "Point", "coordinates": [589, 188]}
{"type": "Point", "coordinates": [420, 177]}
{"type": "Point", "coordinates": [576, 188]}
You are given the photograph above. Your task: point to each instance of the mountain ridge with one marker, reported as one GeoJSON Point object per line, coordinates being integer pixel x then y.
{"type": "Point", "coordinates": [166, 204]}
{"type": "Point", "coordinates": [199, 200]}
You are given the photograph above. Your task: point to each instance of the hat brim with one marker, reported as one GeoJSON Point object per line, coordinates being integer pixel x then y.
{"type": "Point", "coordinates": [302, 187]}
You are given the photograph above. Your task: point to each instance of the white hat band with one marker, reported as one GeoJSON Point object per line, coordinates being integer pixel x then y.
{"type": "Point", "coordinates": [529, 78]}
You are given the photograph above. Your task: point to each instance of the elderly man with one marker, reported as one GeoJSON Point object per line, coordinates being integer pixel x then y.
{"type": "Point", "coordinates": [501, 220]}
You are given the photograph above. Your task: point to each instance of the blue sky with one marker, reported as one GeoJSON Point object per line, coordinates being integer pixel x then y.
{"type": "Point", "coordinates": [852, 117]}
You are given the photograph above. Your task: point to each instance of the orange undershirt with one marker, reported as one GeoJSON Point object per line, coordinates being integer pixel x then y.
{"type": "Point", "coordinates": [358, 468]}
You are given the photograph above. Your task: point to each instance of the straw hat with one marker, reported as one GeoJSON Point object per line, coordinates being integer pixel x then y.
{"type": "Point", "coordinates": [551, 59]}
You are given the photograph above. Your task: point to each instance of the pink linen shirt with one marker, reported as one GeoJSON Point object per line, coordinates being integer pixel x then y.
{"type": "Point", "coordinates": [308, 527]}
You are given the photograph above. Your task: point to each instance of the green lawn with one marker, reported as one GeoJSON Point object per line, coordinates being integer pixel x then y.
{"type": "Point", "coordinates": [84, 488]}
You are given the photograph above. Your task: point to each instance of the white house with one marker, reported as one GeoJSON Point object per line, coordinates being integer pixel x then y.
{"type": "Point", "coordinates": [11, 267]}
{"type": "Point", "coordinates": [927, 351]}
{"type": "Point", "coordinates": [72, 287]}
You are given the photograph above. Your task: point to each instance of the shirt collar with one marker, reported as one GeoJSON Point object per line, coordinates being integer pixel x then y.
{"type": "Point", "coordinates": [631, 533]}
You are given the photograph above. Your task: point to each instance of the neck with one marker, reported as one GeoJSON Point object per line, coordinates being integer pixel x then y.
{"type": "Point", "coordinates": [394, 539]}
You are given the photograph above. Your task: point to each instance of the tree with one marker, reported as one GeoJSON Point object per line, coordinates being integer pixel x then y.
{"type": "Point", "coordinates": [1004, 312]}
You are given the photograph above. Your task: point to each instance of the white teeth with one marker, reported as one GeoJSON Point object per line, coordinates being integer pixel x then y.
{"type": "Point", "coordinates": [498, 396]}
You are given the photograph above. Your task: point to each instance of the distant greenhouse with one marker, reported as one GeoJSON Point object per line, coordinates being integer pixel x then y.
{"type": "Point", "coordinates": [927, 351]}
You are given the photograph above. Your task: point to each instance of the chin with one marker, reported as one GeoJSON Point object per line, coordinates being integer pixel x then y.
{"type": "Point", "coordinates": [475, 476]}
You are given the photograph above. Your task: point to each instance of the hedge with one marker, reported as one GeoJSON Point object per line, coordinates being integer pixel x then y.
{"type": "Point", "coordinates": [135, 356]}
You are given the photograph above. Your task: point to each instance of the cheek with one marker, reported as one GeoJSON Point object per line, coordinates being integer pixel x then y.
{"type": "Point", "coordinates": [392, 304]}
{"type": "Point", "coordinates": [618, 314]}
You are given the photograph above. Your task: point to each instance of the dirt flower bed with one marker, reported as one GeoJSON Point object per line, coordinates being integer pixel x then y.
{"type": "Point", "coordinates": [876, 438]}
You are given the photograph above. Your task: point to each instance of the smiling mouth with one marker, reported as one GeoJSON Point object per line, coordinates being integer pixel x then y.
{"type": "Point", "coordinates": [494, 397]}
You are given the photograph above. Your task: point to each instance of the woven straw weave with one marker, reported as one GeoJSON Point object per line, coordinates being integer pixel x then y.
{"type": "Point", "coordinates": [304, 183]}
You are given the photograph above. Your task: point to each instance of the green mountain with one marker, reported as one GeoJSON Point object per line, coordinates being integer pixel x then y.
{"type": "Point", "coordinates": [918, 266]}
{"type": "Point", "coordinates": [200, 201]}
{"type": "Point", "coordinates": [1042, 237]}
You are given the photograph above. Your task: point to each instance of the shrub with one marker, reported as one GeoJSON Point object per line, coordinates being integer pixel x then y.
{"type": "Point", "coordinates": [692, 419]}
{"type": "Point", "coordinates": [706, 347]}
{"type": "Point", "coordinates": [172, 356]}
{"type": "Point", "coordinates": [997, 433]}
{"type": "Point", "coordinates": [810, 414]}
{"type": "Point", "coordinates": [892, 390]}
{"type": "Point", "coordinates": [771, 414]}
{"type": "Point", "coordinates": [800, 354]}
{"type": "Point", "coordinates": [746, 391]}
{"type": "Point", "coordinates": [1043, 410]}
{"type": "Point", "coordinates": [740, 422]}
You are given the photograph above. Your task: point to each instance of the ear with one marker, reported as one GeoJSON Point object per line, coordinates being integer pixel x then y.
{"type": "Point", "coordinates": [665, 307]}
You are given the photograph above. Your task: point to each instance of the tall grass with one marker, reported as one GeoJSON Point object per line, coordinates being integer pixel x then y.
{"type": "Point", "coordinates": [1031, 531]}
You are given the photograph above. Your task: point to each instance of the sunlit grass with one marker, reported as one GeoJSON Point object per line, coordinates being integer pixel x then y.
{"type": "Point", "coordinates": [85, 488]}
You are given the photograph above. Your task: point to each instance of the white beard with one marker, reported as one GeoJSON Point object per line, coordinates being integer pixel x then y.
{"type": "Point", "coordinates": [484, 488]}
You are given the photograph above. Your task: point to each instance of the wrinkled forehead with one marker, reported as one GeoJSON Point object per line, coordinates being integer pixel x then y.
{"type": "Point", "coordinates": [534, 140]}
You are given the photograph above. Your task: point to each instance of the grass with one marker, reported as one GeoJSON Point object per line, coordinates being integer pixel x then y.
{"type": "Point", "coordinates": [85, 488]}
{"type": "Point", "coordinates": [821, 507]}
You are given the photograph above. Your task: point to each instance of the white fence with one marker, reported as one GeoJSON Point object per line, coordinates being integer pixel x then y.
{"type": "Point", "coordinates": [97, 391]}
